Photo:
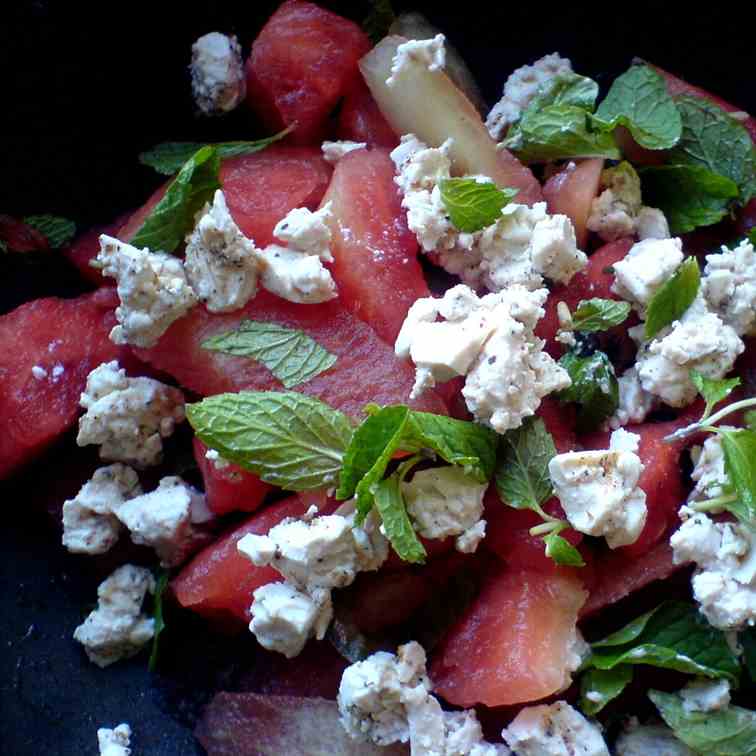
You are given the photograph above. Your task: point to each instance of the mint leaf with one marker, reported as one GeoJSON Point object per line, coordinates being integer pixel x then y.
{"type": "Point", "coordinates": [715, 140]}
{"type": "Point", "coordinates": [690, 195]}
{"type": "Point", "coordinates": [752, 235]}
{"type": "Point", "coordinates": [594, 387]}
{"type": "Point", "coordinates": [673, 297]}
{"type": "Point", "coordinates": [473, 205]}
{"type": "Point", "coordinates": [170, 220]}
{"type": "Point", "coordinates": [711, 390]}
{"type": "Point", "coordinates": [378, 20]}
{"type": "Point", "coordinates": [557, 132]}
{"type": "Point", "coordinates": [567, 89]}
{"type": "Point", "coordinates": [292, 356]}
{"type": "Point", "coordinates": [157, 613]}
{"type": "Point", "coordinates": [289, 440]}
{"type": "Point", "coordinates": [168, 157]}
{"type": "Point", "coordinates": [594, 315]}
{"type": "Point", "coordinates": [58, 231]}
{"type": "Point", "coordinates": [739, 448]}
{"type": "Point", "coordinates": [638, 100]}
{"type": "Point", "coordinates": [522, 471]}
{"type": "Point", "coordinates": [600, 686]}
{"type": "Point", "coordinates": [727, 732]}
{"type": "Point", "coordinates": [673, 636]}
{"type": "Point", "coordinates": [562, 551]}
{"type": "Point", "coordinates": [396, 522]}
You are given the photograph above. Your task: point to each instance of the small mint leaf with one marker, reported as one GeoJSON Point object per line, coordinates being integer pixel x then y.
{"type": "Point", "coordinates": [472, 205]}
{"type": "Point", "coordinates": [673, 298]}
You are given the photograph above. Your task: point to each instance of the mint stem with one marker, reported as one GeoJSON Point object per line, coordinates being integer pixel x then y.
{"type": "Point", "coordinates": [545, 528]}
{"type": "Point", "coordinates": [711, 505]}
{"type": "Point", "coordinates": [706, 423]}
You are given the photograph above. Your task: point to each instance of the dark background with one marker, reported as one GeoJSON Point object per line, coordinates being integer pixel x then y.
{"type": "Point", "coordinates": [84, 89]}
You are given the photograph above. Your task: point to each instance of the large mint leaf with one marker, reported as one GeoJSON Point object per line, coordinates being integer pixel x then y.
{"type": "Point", "coordinates": [739, 448]}
{"type": "Point", "coordinates": [638, 100]}
{"type": "Point", "coordinates": [472, 205]}
{"type": "Point", "coordinates": [566, 88]}
{"type": "Point", "coordinates": [600, 686]}
{"type": "Point", "coordinates": [594, 387]}
{"type": "Point", "coordinates": [673, 297]}
{"type": "Point", "coordinates": [291, 355]}
{"type": "Point", "coordinates": [58, 231]}
{"type": "Point", "coordinates": [288, 439]}
{"type": "Point", "coordinates": [396, 522]}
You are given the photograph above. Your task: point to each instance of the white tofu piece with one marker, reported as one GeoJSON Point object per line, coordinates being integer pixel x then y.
{"type": "Point", "coordinates": [729, 286]}
{"type": "Point", "coordinates": [296, 277]}
{"type": "Point", "coordinates": [89, 526]}
{"type": "Point", "coordinates": [634, 402]}
{"type": "Point", "coordinates": [444, 502]}
{"type": "Point", "coordinates": [425, 53]}
{"type": "Point", "coordinates": [152, 287]}
{"type": "Point", "coordinates": [553, 249]}
{"type": "Point", "coordinates": [221, 263]}
{"type": "Point", "coordinates": [599, 491]}
{"type": "Point", "coordinates": [217, 69]}
{"type": "Point", "coordinates": [705, 695]}
{"type": "Point", "coordinates": [554, 730]}
{"type": "Point", "coordinates": [709, 469]}
{"type": "Point", "coordinates": [307, 232]}
{"type": "Point", "coordinates": [114, 742]}
{"type": "Point", "coordinates": [117, 629]}
{"type": "Point", "coordinates": [651, 740]}
{"type": "Point", "coordinates": [128, 417]}
{"type": "Point", "coordinates": [334, 151]}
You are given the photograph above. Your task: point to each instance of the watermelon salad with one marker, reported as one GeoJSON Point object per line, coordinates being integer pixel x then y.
{"type": "Point", "coordinates": [445, 410]}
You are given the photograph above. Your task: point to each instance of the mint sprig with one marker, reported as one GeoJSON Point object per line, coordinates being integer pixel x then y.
{"type": "Point", "coordinates": [600, 686]}
{"type": "Point", "coordinates": [739, 447]}
{"type": "Point", "coordinates": [713, 391]}
{"type": "Point", "coordinates": [673, 298]}
{"type": "Point", "coordinates": [593, 315]}
{"type": "Point", "coordinates": [57, 230]}
{"type": "Point", "coordinates": [594, 387]}
{"type": "Point", "coordinates": [291, 355]}
{"type": "Point", "coordinates": [472, 205]}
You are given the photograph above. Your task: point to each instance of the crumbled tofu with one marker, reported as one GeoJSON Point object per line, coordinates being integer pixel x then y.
{"type": "Point", "coordinates": [698, 341]}
{"type": "Point", "coordinates": [307, 232]}
{"type": "Point", "coordinates": [424, 53]}
{"type": "Point", "coordinates": [724, 582]}
{"type": "Point", "coordinates": [444, 502]}
{"type": "Point", "coordinates": [648, 265]}
{"type": "Point", "coordinates": [554, 730]}
{"type": "Point", "coordinates": [128, 417]}
{"type": "Point", "coordinates": [705, 695]}
{"type": "Point", "coordinates": [334, 151]}
{"type": "Point", "coordinates": [152, 287]}
{"type": "Point", "coordinates": [520, 89]}
{"type": "Point", "coordinates": [114, 742]}
{"type": "Point", "coordinates": [117, 629]}
{"type": "Point", "coordinates": [634, 402]}
{"type": "Point", "coordinates": [296, 277]}
{"type": "Point", "coordinates": [217, 69]}
{"type": "Point", "coordinates": [729, 286]}
{"type": "Point", "coordinates": [553, 249]}
{"type": "Point", "coordinates": [89, 525]}
{"type": "Point", "coordinates": [163, 518]}
{"type": "Point", "coordinates": [599, 490]}
{"type": "Point", "coordinates": [220, 262]}
{"type": "Point", "coordinates": [709, 469]}
{"type": "Point", "coordinates": [651, 740]}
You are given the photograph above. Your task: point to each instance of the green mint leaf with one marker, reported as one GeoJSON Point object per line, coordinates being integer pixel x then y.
{"type": "Point", "coordinates": [290, 440]}
{"type": "Point", "coordinates": [673, 298]}
{"type": "Point", "coordinates": [161, 585]}
{"type": "Point", "coordinates": [378, 20]}
{"type": "Point", "coordinates": [690, 195]}
{"type": "Point", "coordinates": [168, 157]}
{"type": "Point", "coordinates": [752, 235]}
{"type": "Point", "coordinates": [726, 732]}
{"type": "Point", "coordinates": [600, 686]}
{"type": "Point", "coordinates": [747, 640]}
{"type": "Point", "coordinates": [396, 522]}
{"type": "Point", "coordinates": [739, 448]}
{"type": "Point", "coordinates": [562, 551]}
{"type": "Point", "coordinates": [594, 387]}
{"type": "Point", "coordinates": [522, 471]}
{"type": "Point", "coordinates": [711, 390]}
{"type": "Point", "coordinates": [594, 315]}
{"type": "Point", "coordinates": [58, 231]}
{"type": "Point", "coordinates": [292, 356]}
{"type": "Point", "coordinates": [749, 420]}
{"type": "Point", "coordinates": [712, 138]}
{"type": "Point", "coordinates": [473, 205]}
{"type": "Point", "coordinates": [173, 217]}
{"type": "Point", "coordinates": [638, 100]}
{"type": "Point", "coordinates": [676, 636]}
{"type": "Point", "coordinates": [558, 132]}
{"type": "Point", "coordinates": [566, 89]}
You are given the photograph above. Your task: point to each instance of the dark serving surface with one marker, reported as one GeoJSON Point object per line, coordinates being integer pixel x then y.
{"type": "Point", "coordinates": [84, 91]}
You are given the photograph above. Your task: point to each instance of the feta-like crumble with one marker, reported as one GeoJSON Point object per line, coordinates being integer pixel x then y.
{"type": "Point", "coordinates": [220, 262]}
{"type": "Point", "coordinates": [114, 742]}
{"type": "Point", "coordinates": [152, 287]}
{"type": "Point", "coordinates": [554, 730]}
{"type": "Point", "coordinates": [634, 402]}
{"type": "Point", "coordinates": [117, 629]}
{"type": "Point", "coordinates": [709, 469]}
{"type": "Point", "coordinates": [599, 490]}
{"type": "Point", "coordinates": [444, 502]}
{"type": "Point", "coordinates": [705, 695]}
{"type": "Point", "coordinates": [128, 417]}
{"type": "Point", "coordinates": [89, 525]}
{"type": "Point", "coordinates": [334, 151]}
{"type": "Point", "coordinates": [729, 286]}
{"type": "Point", "coordinates": [521, 87]}
{"type": "Point", "coordinates": [651, 740]}
{"type": "Point", "coordinates": [217, 69]}
{"type": "Point", "coordinates": [307, 232]}
{"type": "Point", "coordinates": [651, 223]}
{"type": "Point", "coordinates": [39, 372]}
{"type": "Point", "coordinates": [425, 53]}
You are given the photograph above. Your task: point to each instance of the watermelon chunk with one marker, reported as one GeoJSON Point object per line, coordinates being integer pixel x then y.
{"type": "Point", "coordinates": [85, 248]}
{"type": "Point", "coordinates": [375, 254]}
{"type": "Point", "coordinates": [229, 489]}
{"type": "Point", "coordinates": [302, 63]}
{"type": "Point", "coordinates": [366, 369]}
{"type": "Point", "coordinates": [361, 120]}
{"type": "Point", "coordinates": [513, 644]}
{"type": "Point", "coordinates": [67, 338]}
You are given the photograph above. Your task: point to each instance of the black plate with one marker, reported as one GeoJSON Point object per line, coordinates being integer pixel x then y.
{"type": "Point", "coordinates": [84, 90]}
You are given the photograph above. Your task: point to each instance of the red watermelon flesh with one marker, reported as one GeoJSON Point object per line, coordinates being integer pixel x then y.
{"type": "Point", "coordinates": [361, 120]}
